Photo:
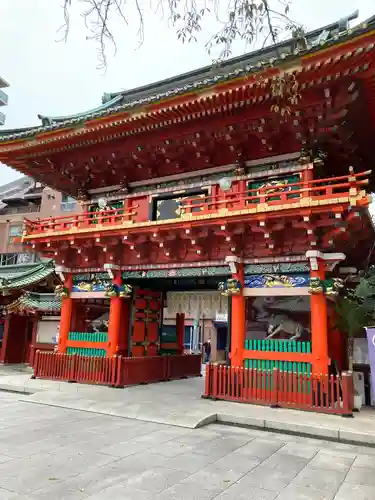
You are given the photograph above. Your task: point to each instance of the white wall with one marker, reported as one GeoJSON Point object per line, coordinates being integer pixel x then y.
{"type": "Point", "coordinates": [47, 330]}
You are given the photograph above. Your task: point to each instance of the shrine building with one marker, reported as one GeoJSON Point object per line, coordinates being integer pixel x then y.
{"type": "Point", "coordinates": [248, 182]}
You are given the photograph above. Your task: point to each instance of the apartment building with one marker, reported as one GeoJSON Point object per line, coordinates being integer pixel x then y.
{"type": "Point", "coordinates": [26, 198]}
{"type": "Point", "coordinates": [3, 98]}
{"type": "Point", "coordinates": [29, 310]}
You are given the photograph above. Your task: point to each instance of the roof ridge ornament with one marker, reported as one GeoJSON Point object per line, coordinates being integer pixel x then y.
{"type": "Point", "coordinates": [50, 120]}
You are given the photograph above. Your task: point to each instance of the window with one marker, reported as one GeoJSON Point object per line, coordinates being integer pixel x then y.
{"type": "Point", "coordinates": [15, 231]}
{"type": "Point", "coordinates": [8, 259]}
{"type": "Point", "coordinates": [172, 206]}
{"type": "Point", "coordinates": [26, 258]}
{"type": "Point", "coordinates": [12, 259]}
{"type": "Point", "coordinates": [68, 204]}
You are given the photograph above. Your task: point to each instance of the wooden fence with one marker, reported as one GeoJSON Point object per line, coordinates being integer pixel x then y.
{"type": "Point", "coordinates": [327, 394]}
{"type": "Point", "coordinates": [117, 371]}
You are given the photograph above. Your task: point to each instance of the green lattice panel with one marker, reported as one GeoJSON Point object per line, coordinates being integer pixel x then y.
{"type": "Point", "coordinates": [278, 346]}
{"type": "Point", "coordinates": [88, 337]}
{"type": "Point", "coordinates": [87, 351]}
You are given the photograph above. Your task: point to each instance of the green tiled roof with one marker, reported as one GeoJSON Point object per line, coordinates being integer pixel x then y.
{"type": "Point", "coordinates": [247, 64]}
{"type": "Point", "coordinates": [23, 276]}
{"type": "Point", "coordinates": [36, 302]}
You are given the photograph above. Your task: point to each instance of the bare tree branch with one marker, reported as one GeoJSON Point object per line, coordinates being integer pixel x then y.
{"type": "Point", "coordinates": [243, 20]}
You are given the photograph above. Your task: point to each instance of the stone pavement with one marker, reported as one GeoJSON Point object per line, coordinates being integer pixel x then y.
{"type": "Point", "coordinates": [55, 453]}
{"type": "Point", "coordinates": [179, 403]}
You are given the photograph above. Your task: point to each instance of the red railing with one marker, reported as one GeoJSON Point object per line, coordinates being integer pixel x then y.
{"type": "Point", "coordinates": [133, 371]}
{"type": "Point", "coordinates": [74, 368]}
{"type": "Point", "coordinates": [327, 394]}
{"type": "Point", "coordinates": [277, 194]}
{"type": "Point", "coordinates": [117, 371]}
{"type": "Point", "coordinates": [234, 199]}
{"type": "Point", "coordinates": [80, 221]}
{"type": "Point", "coordinates": [184, 366]}
{"type": "Point", "coordinates": [40, 346]}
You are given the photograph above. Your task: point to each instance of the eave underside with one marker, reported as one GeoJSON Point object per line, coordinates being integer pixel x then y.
{"type": "Point", "coordinates": [328, 227]}
{"type": "Point", "coordinates": [229, 125]}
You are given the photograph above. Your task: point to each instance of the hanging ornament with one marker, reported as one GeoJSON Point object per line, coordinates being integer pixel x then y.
{"type": "Point", "coordinates": [225, 183]}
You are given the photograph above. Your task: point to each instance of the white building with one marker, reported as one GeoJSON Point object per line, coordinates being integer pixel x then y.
{"type": "Point", "coordinates": [3, 98]}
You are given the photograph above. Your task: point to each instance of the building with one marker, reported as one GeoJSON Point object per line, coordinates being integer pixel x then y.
{"type": "Point", "coordinates": [30, 310]}
{"type": "Point", "coordinates": [3, 98]}
{"type": "Point", "coordinates": [236, 189]}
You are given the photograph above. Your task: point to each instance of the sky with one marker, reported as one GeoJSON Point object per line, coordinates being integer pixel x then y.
{"type": "Point", "coordinates": [51, 77]}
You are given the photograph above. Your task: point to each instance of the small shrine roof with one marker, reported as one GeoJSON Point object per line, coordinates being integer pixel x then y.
{"type": "Point", "coordinates": [34, 302]}
{"type": "Point", "coordinates": [208, 76]}
{"type": "Point", "coordinates": [21, 276]}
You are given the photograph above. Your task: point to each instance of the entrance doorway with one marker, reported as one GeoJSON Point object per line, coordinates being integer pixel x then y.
{"type": "Point", "coordinates": [196, 299]}
{"type": "Point", "coordinates": [17, 339]}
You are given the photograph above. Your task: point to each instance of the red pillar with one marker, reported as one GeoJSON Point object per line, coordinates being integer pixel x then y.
{"type": "Point", "coordinates": [66, 314]}
{"type": "Point", "coordinates": [319, 333]}
{"type": "Point", "coordinates": [180, 331]}
{"type": "Point", "coordinates": [5, 338]}
{"type": "Point", "coordinates": [114, 323]}
{"type": "Point", "coordinates": [238, 331]}
{"type": "Point", "coordinates": [307, 177]}
{"type": "Point", "coordinates": [124, 328]}
{"type": "Point", "coordinates": [33, 340]}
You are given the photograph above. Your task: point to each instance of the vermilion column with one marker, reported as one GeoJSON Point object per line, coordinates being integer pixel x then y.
{"type": "Point", "coordinates": [114, 323]}
{"type": "Point", "coordinates": [238, 316]}
{"type": "Point", "coordinates": [124, 328]}
{"type": "Point", "coordinates": [307, 177]}
{"type": "Point", "coordinates": [66, 314]}
{"type": "Point", "coordinates": [319, 330]}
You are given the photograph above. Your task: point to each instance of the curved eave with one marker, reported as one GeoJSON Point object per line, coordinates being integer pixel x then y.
{"type": "Point", "coordinates": [27, 279]}
{"type": "Point", "coordinates": [49, 120]}
{"type": "Point", "coordinates": [240, 76]}
{"type": "Point", "coordinates": [32, 303]}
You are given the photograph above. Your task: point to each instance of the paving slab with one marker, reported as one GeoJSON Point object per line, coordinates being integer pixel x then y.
{"type": "Point", "coordinates": [51, 452]}
{"type": "Point", "coordinates": [179, 403]}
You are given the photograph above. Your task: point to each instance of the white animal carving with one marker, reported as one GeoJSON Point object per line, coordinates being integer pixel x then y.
{"type": "Point", "coordinates": [281, 323]}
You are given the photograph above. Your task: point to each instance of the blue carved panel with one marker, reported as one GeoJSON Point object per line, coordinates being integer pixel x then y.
{"type": "Point", "coordinates": [277, 281]}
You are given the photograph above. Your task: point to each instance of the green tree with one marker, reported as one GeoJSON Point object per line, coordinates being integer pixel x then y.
{"type": "Point", "coordinates": [356, 309]}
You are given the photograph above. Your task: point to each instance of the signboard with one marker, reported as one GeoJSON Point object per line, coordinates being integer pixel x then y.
{"type": "Point", "coordinates": [277, 281]}
{"type": "Point", "coordinates": [90, 277]}
{"type": "Point", "coordinates": [278, 268]}
{"type": "Point", "coordinates": [183, 272]}
{"type": "Point", "coordinates": [370, 332]}
{"type": "Point", "coordinates": [221, 317]}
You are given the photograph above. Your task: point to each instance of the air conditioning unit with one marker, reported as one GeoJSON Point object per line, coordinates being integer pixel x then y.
{"type": "Point", "coordinates": [359, 385]}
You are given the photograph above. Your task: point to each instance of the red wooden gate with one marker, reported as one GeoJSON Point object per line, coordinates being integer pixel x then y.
{"type": "Point", "coordinates": [146, 323]}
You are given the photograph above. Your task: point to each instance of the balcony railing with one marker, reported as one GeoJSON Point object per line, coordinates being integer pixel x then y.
{"type": "Point", "coordinates": [81, 221]}
{"type": "Point", "coordinates": [3, 98]}
{"type": "Point", "coordinates": [28, 209]}
{"type": "Point", "coordinates": [264, 199]}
